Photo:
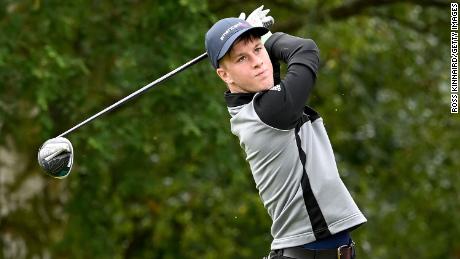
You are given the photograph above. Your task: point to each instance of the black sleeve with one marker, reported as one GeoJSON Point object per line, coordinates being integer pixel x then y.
{"type": "Point", "coordinates": [282, 106]}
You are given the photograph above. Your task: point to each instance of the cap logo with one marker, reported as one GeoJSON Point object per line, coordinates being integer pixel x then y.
{"type": "Point", "coordinates": [229, 30]}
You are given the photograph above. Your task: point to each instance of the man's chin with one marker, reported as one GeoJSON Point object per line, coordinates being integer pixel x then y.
{"type": "Point", "coordinates": [268, 86]}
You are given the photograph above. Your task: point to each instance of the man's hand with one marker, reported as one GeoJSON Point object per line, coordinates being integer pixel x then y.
{"type": "Point", "coordinates": [259, 18]}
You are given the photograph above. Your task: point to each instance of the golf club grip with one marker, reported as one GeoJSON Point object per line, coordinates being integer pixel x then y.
{"type": "Point", "coordinates": [137, 93]}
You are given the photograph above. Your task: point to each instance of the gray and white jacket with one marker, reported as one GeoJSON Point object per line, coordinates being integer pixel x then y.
{"type": "Point", "coordinates": [289, 151]}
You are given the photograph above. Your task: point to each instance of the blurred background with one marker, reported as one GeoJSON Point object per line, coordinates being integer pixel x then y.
{"type": "Point", "coordinates": [163, 177]}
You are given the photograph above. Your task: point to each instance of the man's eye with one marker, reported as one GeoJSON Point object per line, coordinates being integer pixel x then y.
{"type": "Point", "coordinates": [241, 59]}
{"type": "Point", "coordinates": [258, 49]}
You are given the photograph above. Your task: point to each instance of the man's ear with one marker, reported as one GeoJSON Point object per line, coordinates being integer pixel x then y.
{"type": "Point", "coordinates": [223, 74]}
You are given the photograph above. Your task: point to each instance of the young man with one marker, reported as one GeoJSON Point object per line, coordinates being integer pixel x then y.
{"type": "Point", "coordinates": [286, 144]}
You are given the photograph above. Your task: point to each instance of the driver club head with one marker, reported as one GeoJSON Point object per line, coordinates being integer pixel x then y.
{"type": "Point", "coordinates": [55, 156]}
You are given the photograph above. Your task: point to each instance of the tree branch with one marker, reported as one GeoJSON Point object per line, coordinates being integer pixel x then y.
{"type": "Point", "coordinates": [394, 19]}
{"type": "Point", "coordinates": [345, 11]}
{"type": "Point", "coordinates": [357, 7]}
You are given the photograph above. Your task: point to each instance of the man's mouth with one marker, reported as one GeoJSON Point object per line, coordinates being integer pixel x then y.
{"type": "Point", "coordinates": [260, 73]}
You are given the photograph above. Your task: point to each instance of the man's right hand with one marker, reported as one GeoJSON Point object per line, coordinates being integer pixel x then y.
{"type": "Point", "coordinates": [259, 18]}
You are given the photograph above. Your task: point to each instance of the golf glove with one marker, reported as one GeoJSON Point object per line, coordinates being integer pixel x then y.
{"type": "Point", "coordinates": [259, 18]}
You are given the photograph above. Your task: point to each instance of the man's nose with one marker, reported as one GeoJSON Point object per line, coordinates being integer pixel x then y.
{"type": "Point", "coordinates": [257, 61]}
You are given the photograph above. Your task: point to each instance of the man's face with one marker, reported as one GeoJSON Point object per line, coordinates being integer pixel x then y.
{"type": "Point", "coordinates": [247, 67]}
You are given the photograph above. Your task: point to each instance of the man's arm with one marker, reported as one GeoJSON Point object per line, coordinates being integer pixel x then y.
{"type": "Point", "coordinates": [281, 107]}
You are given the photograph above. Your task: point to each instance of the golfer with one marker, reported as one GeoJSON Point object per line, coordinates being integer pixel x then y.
{"type": "Point", "coordinates": [286, 143]}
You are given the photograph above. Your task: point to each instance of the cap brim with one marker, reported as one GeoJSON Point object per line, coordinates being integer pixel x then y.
{"type": "Point", "coordinates": [228, 44]}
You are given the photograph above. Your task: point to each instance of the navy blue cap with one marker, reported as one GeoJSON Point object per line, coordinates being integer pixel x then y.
{"type": "Point", "coordinates": [222, 35]}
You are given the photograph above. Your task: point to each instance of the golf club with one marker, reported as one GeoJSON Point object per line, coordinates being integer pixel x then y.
{"type": "Point", "coordinates": [55, 156]}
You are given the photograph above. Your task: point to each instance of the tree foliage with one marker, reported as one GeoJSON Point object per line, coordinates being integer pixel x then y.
{"type": "Point", "coordinates": [162, 177]}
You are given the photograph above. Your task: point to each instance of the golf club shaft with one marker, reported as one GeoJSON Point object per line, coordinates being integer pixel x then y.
{"type": "Point", "coordinates": [137, 93]}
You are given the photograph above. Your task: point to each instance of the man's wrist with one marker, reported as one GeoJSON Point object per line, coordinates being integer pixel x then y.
{"type": "Point", "coordinates": [265, 37]}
